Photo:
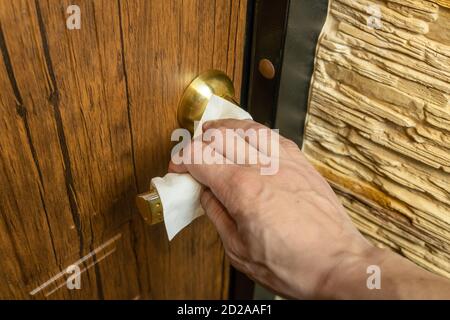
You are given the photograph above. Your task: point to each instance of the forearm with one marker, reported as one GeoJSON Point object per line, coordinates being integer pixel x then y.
{"type": "Point", "coordinates": [400, 279]}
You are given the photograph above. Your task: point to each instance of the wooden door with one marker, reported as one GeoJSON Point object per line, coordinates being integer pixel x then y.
{"type": "Point", "coordinates": [86, 117]}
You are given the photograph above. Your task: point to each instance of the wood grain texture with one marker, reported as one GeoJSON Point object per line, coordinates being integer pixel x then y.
{"type": "Point", "coordinates": [86, 119]}
{"type": "Point", "coordinates": [379, 122]}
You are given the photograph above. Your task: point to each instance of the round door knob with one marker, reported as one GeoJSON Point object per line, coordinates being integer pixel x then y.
{"type": "Point", "coordinates": [197, 95]}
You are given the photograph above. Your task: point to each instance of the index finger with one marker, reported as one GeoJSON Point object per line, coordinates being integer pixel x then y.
{"type": "Point", "coordinates": [255, 134]}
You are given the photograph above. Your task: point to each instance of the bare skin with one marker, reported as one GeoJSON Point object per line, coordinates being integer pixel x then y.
{"type": "Point", "coordinates": [290, 233]}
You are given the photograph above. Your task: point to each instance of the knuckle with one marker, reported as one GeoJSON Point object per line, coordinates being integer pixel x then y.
{"type": "Point", "coordinates": [289, 144]}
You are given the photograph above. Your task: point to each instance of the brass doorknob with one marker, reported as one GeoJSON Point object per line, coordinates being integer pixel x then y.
{"type": "Point", "coordinates": [190, 109]}
{"type": "Point", "coordinates": [196, 96]}
{"type": "Point", "coordinates": [150, 207]}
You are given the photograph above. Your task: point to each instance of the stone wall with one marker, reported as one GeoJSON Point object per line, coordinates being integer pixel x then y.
{"type": "Point", "coordinates": [378, 125]}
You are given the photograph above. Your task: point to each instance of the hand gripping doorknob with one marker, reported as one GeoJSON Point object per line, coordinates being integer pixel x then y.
{"type": "Point", "coordinates": [210, 96]}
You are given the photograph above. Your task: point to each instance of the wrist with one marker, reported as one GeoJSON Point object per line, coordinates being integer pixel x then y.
{"type": "Point", "coordinates": [347, 277]}
{"type": "Point", "coordinates": [351, 278]}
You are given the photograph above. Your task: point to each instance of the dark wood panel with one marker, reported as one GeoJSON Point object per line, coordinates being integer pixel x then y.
{"type": "Point", "coordinates": [194, 37]}
{"type": "Point", "coordinates": [86, 118]}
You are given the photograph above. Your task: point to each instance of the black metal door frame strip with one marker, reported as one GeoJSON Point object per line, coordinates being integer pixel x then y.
{"type": "Point", "coordinates": [269, 29]}
{"type": "Point", "coordinates": [305, 23]}
{"type": "Point", "coordinates": [285, 32]}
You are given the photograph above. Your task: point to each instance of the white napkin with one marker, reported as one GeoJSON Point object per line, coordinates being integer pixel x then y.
{"type": "Point", "coordinates": [180, 193]}
{"type": "Point", "coordinates": [180, 198]}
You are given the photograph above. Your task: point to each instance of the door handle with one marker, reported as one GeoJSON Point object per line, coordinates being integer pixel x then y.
{"type": "Point", "coordinates": [190, 110]}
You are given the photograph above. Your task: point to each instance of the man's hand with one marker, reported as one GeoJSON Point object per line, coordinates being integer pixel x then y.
{"type": "Point", "coordinates": [287, 231]}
